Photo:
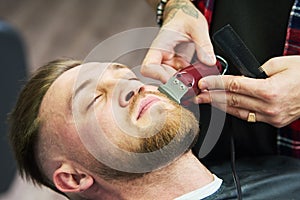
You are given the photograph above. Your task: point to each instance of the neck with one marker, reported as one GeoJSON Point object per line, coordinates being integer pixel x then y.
{"type": "Point", "coordinates": [183, 176]}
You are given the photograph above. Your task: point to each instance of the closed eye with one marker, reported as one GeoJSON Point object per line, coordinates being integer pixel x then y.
{"type": "Point", "coordinates": [94, 100]}
{"type": "Point", "coordinates": [134, 79]}
{"type": "Point", "coordinates": [97, 97]}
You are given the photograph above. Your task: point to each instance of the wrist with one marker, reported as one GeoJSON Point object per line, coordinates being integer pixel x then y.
{"type": "Point", "coordinates": [165, 7]}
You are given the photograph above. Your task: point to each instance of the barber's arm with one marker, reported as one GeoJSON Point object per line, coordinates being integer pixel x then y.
{"type": "Point", "coordinates": [274, 100]}
{"type": "Point", "coordinates": [182, 24]}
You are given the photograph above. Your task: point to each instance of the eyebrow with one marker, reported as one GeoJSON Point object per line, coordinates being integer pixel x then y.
{"type": "Point", "coordinates": [81, 86]}
{"type": "Point", "coordinates": [117, 66]}
{"type": "Point", "coordinates": [77, 91]}
{"type": "Point", "coordinates": [85, 83]}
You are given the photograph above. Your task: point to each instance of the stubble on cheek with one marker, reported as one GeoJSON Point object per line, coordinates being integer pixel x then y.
{"type": "Point", "coordinates": [152, 135]}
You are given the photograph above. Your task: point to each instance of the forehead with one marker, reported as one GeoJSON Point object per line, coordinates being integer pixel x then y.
{"type": "Point", "coordinates": [101, 70]}
{"type": "Point", "coordinates": [92, 70]}
{"type": "Point", "coordinates": [66, 84]}
{"type": "Point", "coordinates": [88, 72]}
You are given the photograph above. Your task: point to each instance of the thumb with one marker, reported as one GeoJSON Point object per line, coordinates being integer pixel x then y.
{"type": "Point", "coordinates": [152, 66]}
{"type": "Point", "coordinates": [204, 47]}
{"type": "Point", "coordinates": [275, 65]}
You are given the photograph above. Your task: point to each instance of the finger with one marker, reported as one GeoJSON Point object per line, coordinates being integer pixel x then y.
{"type": "Point", "coordinates": [240, 106]}
{"type": "Point", "coordinates": [229, 105]}
{"type": "Point", "coordinates": [218, 96]}
{"type": "Point", "coordinates": [242, 101]}
{"type": "Point", "coordinates": [237, 84]}
{"type": "Point", "coordinates": [260, 117]}
{"type": "Point", "coordinates": [203, 97]}
{"type": "Point", "coordinates": [204, 47]}
{"type": "Point", "coordinates": [185, 50]}
{"type": "Point", "coordinates": [234, 100]}
{"type": "Point", "coordinates": [214, 82]}
{"type": "Point", "coordinates": [240, 112]}
{"type": "Point", "coordinates": [159, 72]}
{"type": "Point", "coordinates": [151, 66]}
{"type": "Point", "coordinates": [278, 64]}
{"type": "Point", "coordinates": [177, 63]}
{"type": "Point", "coordinates": [243, 114]}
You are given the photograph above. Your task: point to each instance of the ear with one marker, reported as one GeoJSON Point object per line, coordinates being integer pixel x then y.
{"type": "Point", "coordinates": [70, 180]}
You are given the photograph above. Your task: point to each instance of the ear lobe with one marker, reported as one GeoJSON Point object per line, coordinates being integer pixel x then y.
{"type": "Point", "coordinates": [69, 180]}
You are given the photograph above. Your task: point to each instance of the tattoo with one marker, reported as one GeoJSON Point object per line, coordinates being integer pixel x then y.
{"type": "Point", "coordinates": [182, 5]}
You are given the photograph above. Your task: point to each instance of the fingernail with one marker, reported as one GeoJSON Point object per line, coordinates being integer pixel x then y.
{"type": "Point", "coordinates": [210, 59]}
{"type": "Point", "coordinates": [202, 84]}
{"type": "Point", "coordinates": [197, 100]}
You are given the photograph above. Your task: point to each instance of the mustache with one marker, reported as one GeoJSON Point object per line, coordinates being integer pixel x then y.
{"type": "Point", "coordinates": [141, 95]}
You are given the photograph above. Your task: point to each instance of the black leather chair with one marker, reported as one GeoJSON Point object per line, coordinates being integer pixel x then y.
{"type": "Point", "coordinates": [13, 72]}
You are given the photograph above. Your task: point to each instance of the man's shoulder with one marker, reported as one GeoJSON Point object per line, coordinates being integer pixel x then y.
{"type": "Point", "coordinates": [274, 177]}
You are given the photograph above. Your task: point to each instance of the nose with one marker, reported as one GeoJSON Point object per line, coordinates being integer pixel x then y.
{"type": "Point", "coordinates": [128, 95]}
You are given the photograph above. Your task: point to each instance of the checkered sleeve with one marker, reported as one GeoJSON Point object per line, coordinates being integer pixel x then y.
{"type": "Point", "coordinates": [288, 139]}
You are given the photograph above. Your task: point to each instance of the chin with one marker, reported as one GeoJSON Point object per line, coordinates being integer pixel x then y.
{"type": "Point", "coordinates": [178, 125]}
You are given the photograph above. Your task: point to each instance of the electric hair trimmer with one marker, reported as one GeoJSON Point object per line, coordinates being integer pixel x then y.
{"type": "Point", "coordinates": [184, 84]}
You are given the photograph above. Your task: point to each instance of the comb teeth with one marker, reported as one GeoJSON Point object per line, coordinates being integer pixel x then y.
{"type": "Point", "coordinates": [174, 89]}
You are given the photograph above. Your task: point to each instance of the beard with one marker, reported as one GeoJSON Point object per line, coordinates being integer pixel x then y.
{"type": "Point", "coordinates": [179, 125]}
{"type": "Point", "coordinates": [175, 135]}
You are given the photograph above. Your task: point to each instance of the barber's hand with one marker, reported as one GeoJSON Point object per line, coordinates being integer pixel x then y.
{"type": "Point", "coordinates": [171, 50]}
{"type": "Point", "coordinates": [274, 100]}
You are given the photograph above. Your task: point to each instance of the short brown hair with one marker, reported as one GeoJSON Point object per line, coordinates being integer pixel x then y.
{"type": "Point", "coordinates": [24, 122]}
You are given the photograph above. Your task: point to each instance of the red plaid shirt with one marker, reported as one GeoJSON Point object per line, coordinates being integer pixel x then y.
{"type": "Point", "coordinates": [288, 139]}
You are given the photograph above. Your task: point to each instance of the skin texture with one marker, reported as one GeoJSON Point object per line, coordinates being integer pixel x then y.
{"type": "Point", "coordinates": [64, 155]}
{"type": "Point", "coordinates": [184, 30]}
{"type": "Point", "coordinates": [274, 100]}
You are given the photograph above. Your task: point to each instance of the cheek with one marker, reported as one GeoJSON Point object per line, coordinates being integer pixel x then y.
{"type": "Point", "coordinates": [104, 118]}
{"type": "Point", "coordinates": [112, 121]}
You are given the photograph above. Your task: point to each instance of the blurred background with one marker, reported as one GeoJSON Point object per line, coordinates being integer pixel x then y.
{"type": "Point", "coordinates": [33, 32]}
{"type": "Point", "coordinates": [71, 27]}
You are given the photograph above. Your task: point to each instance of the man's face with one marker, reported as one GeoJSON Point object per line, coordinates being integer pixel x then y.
{"type": "Point", "coordinates": [119, 119]}
{"type": "Point", "coordinates": [121, 104]}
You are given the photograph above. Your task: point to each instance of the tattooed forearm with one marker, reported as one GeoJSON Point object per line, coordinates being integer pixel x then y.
{"type": "Point", "coordinates": [182, 5]}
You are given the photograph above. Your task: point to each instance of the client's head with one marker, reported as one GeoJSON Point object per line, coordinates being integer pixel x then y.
{"type": "Point", "coordinates": [75, 124]}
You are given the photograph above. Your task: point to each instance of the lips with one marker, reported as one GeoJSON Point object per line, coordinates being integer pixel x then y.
{"type": "Point", "coordinates": [145, 105]}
